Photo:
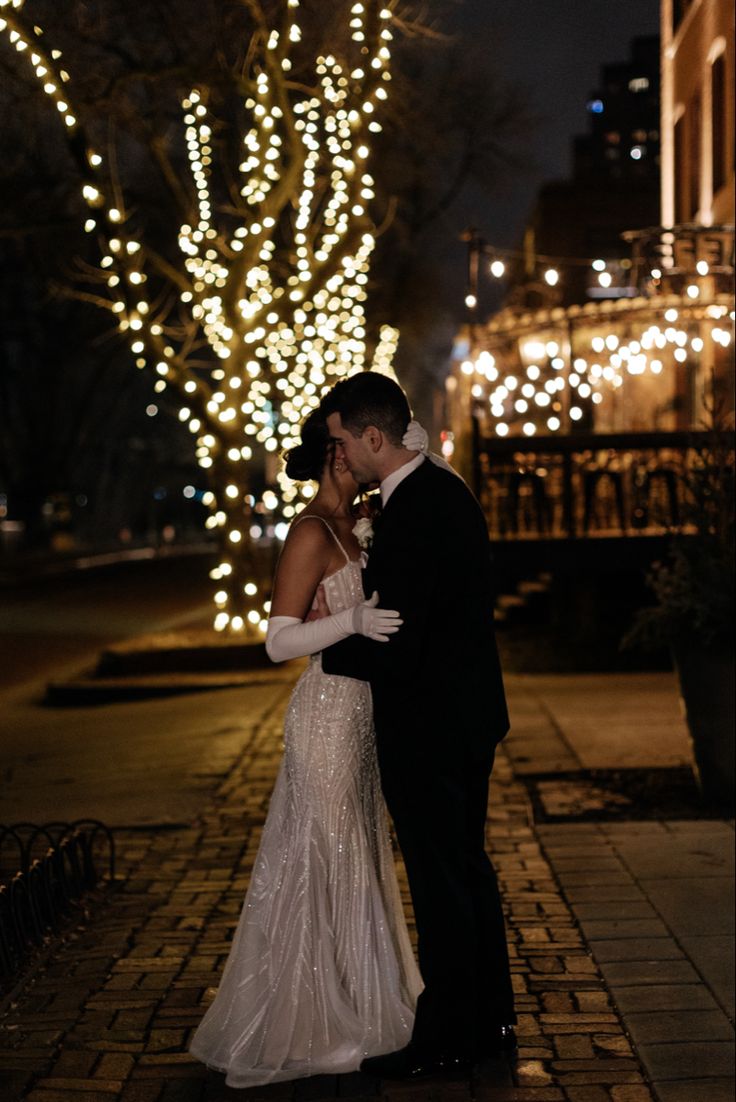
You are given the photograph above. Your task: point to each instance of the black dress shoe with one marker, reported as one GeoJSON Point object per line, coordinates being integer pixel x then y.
{"type": "Point", "coordinates": [500, 1040]}
{"type": "Point", "coordinates": [413, 1063]}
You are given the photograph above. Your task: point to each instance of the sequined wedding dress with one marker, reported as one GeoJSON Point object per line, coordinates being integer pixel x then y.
{"type": "Point", "coordinates": [321, 971]}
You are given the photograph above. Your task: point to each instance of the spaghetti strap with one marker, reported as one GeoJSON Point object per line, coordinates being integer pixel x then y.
{"type": "Point", "coordinates": [314, 516]}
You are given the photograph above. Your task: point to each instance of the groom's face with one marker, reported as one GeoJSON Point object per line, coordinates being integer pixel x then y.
{"type": "Point", "coordinates": [357, 452]}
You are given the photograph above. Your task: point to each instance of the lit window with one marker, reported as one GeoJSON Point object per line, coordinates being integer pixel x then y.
{"type": "Point", "coordinates": [639, 84]}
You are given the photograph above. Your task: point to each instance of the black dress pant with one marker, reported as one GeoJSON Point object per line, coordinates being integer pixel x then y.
{"type": "Point", "coordinates": [438, 803]}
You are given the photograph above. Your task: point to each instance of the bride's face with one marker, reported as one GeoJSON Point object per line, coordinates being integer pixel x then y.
{"type": "Point", "coordinates": [337, 470]}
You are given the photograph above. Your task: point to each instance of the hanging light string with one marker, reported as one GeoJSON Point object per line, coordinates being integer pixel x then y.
{"type": "Point", "coordinates": [541, 370]}
{"type": "Point", "coordinates": [551, 268]}
{"type": "Point", "coordinates": [278, 299]}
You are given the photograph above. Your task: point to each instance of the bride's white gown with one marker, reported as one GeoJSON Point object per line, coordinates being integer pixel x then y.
{"type": "Point", "coordinates": [321, 971]}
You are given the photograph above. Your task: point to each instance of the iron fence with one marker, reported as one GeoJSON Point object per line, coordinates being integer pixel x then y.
{"type": "Point", "coordinates": [598, 485]}
{"type": "Point", "coordinates": [45, 870]}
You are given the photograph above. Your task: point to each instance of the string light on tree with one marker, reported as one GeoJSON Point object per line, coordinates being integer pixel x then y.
{"type": "Point", "coordinates": [275, 290]}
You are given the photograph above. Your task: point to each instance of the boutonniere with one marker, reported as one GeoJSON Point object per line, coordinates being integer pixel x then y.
{"type": "Point", "coordinates": [363, 532]}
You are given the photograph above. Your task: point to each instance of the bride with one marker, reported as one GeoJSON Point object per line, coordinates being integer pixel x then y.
{"type": "Point", "coordinates": [321, 973]}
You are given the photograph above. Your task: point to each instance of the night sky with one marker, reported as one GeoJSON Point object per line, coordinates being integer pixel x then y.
{"type": "Point", "coordinates": [554, 49]}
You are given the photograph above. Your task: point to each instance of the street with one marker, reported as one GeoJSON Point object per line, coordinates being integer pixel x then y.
{"type": "Point", "coordinates": [58, 623]}
{"type": "Point", "coordinates": [131, 763]}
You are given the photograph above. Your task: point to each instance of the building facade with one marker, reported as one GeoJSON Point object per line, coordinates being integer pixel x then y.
{"type": "Point", "coordinates": [647, 343]}
{"type": "Point", "coordinates": [697, 112]}
{"type": "Point", "coordinates": [624, 129]}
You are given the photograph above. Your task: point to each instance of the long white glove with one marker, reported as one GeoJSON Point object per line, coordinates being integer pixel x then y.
{"type": "Point", "coordinates": [416, 439]}
{"type": "Point", "coordinates": [288, 637]}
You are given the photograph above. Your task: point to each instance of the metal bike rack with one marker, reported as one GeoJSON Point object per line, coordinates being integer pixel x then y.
{"type": "Point", "coordinates": [45, 869]}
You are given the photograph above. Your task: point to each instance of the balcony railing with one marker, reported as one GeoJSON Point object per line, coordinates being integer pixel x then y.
{"type": "Point", "coordinates": [623, 485]}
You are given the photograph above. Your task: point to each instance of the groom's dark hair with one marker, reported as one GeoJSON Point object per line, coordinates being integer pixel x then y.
{"type": "Point", "coordinates": [368, 398]}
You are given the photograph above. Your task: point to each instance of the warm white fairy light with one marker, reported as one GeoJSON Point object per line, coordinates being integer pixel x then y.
{"type": "Point", "coordinates": [647, 339]}
{"type": "Point", "coordinates": [383, 357]}
{"type": "Point", "coordinates": [280, 303]}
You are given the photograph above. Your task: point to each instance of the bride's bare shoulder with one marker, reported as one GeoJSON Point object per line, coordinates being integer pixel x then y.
{"type": "Point", "coordinates": [307, 534]}
{"type": "Point", "coordinates": [304, 560]}
{"type": "Point", "coordinates": [310, 523]}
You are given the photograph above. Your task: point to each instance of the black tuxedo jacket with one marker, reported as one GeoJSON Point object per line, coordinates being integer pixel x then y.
{"type": "Point", "coordinates": [438, 679]}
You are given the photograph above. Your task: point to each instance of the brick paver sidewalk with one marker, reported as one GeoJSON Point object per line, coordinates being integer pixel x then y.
{"type": "Point", "coordinates": [107, 1016]}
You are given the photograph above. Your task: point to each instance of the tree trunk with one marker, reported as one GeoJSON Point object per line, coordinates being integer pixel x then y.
{"type": "Point", "coordinates": [239, 585]}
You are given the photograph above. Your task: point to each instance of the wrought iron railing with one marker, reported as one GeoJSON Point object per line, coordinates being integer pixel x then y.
{"type": "Point", "coordinates": [598, 485]}
{"type": "Point", "coordinates": [45, 870]}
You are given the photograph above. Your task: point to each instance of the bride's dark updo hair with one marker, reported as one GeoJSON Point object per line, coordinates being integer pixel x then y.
{"type": "Point", "coordinates": [307, 460]}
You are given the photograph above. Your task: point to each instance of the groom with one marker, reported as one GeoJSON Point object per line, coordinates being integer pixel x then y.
{"type": "Point", "coordinates": [439, 712]}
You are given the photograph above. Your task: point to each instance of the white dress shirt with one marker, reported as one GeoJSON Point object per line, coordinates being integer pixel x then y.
{"type": "Point", "coordinates": [391, 481]}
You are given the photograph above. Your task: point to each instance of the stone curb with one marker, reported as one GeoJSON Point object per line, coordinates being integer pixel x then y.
{"type": "Point", "coordinates": [89, 689]}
